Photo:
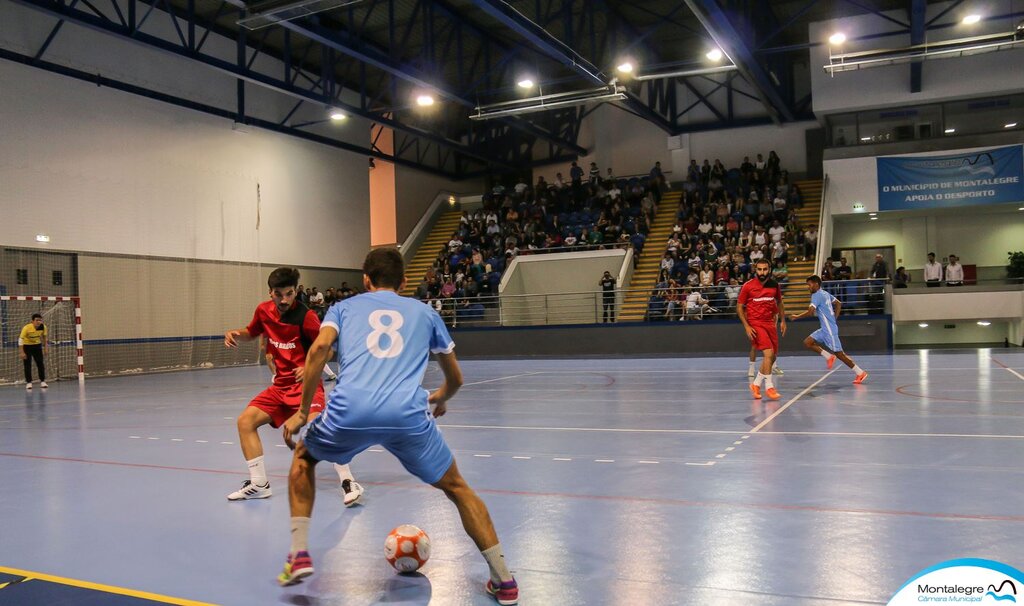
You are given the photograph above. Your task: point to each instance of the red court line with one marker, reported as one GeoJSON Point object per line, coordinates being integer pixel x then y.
{"type": "Point", "coordinates": [564, 495]}
{"type": "Point", "coordinates": [901, 388]}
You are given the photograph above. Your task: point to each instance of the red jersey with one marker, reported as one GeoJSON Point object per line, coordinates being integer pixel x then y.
{"type": "Point", "coordinates": [289, 336]}
{"type": "Point", "coordinates": [760, 300]}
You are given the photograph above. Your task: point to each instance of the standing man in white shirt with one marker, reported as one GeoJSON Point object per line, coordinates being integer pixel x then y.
{"type": "Point", "coordinates": [932, 272]}
{"type": "Point", "coordinates": [954, 272]}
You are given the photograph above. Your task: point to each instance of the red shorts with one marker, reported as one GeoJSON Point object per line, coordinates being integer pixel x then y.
{"type": "Point", "coordinates": [282, 402]}
{"type": "Point", "coordinates": [767, 336]}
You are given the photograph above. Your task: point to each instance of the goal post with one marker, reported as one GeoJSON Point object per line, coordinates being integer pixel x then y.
{"type": "Point", "coordinates": [62, 316]}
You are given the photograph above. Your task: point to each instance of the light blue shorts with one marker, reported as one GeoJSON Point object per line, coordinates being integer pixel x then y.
{"type": "Point", "coordinates": [422, 450]}
{"type": "Point", "coordinates": [828, 340]}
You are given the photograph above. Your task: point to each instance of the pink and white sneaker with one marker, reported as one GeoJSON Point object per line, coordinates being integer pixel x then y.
{"type": "Point", "coordinates": [297, 567]}
{"type": "Point", "coordinates": [507, 592]}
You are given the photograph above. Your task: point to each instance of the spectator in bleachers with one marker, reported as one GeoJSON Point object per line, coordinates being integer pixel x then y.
{"type": "Point", "coordinates": [879, 271]}
{"type": "Point", "coordinates": [595, 174]}
{"type": "Point", "coordinates": [827, 269]}
{"type": "Point", "coordinates": [932, 272]}
{"type": "Point", "coordinates": [576, 175]}
{"type": "Point", "coordinates": [901, 279]}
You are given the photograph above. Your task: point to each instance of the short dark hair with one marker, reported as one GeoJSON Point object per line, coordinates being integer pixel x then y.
{"type": "Point", "coordinates": [763, 260]}
{"type": "Point", "coordinates": [814, 279]}
{"type": "Point", "coordinates": [283, 277]}
{"type": "Point", "coordinates": [39, 316]}
{"type": "Point", "coordinates": [384, 267]}
{"type": "Point", "coordinates": [931, 254]}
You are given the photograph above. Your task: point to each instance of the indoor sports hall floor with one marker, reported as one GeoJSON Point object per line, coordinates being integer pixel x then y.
{"type": "Point", "coordinates": [622, 481]}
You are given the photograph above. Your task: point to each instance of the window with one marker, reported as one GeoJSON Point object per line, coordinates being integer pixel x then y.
{"type": "Point", "coordinates": [22, 276]}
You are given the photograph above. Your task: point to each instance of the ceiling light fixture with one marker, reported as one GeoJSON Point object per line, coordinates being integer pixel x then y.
{"type": "Point", "coordinates": [971, 19]}
{"type": "Point", "coordinates": [950, 131]}
{"type": "Point", "coordinates": [525, 83]}
{"type": "Point", "coordinates": [424, 100]}
{"type": "Point", "coordinates": [984, 323]}
{"type": "Point", "coordinates": [337, 116]}
{"type": "Point", "coordinates": [923, 325]}
{"type": "Point", "coordinates": [1010, 125]}
{"type": "Point", "coordinates": [714, 54]}
{"type": "Point", "coordinates": [625, 67]}
{"type": "Point", "coordinates": [837, 38]}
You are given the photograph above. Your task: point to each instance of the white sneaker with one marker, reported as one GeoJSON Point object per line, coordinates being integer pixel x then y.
{"type": "Point", "coordinates": [777, 371]}
{"type": "Point", "coordinates": [43, 384]}
{"type": "Point", "coordinates": [28, 386]}
{"type": "Point", "coordinates": [250, 491]}
{"type": "Point", "coordinates": [351, 492]}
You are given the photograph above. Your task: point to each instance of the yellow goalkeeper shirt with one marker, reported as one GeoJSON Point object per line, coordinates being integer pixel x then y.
{"type": "Point", "coordinates": [30, 335]}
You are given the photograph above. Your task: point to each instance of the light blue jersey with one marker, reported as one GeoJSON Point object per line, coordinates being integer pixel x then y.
{"type": "Point", "coordinates": [384, 343]}
{"type": "Point", "coordinates": [828, 334]}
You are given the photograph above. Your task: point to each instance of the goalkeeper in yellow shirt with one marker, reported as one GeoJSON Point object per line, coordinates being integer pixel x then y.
{"type": "Point", "coordinates": [33, 346]}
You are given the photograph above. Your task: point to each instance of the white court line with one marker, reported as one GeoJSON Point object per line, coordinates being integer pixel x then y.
{"type": "Point", "coordinates": [604, 460]}
{"type": "Point", "coordinates": [1008, 369]}
{"type": "Point", "coordinates": [845, 434]}
{"type": "Point", "coordinates": [135, 437]}
{"type": "Point", "coordinates": [177, 440]}
{"type": "Point", "coordinates": [560, 459]}
{"type": "Point", "coordinates": [483, 456]}
{"type": "Point", "coordinates": [518, 457]}
{"type": "Point", "coordinates": [649, 462]}
{"type": "Point", "coordinates": [792, 400]}
{"type": "Point", "coordinates": [228, 443]}
{"type": "Point", "coordinates": [201, 441]}
{"type": "Point", "coordinates": [525, 374]}
{"type": "Point", "coordinates": [707, 464]}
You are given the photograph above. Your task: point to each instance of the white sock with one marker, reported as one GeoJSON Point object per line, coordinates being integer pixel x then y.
{"type": "Point", "coordinates": [300, 534]}
{"type": "Point", "coordinates": [760, 377]}
{"type": "Point", "coordinates": [753, 365]}
{"type": "Point", "coordinates": [257, 472]}
{"type": "Point", "coordinates": [857, 370]}
{"type": "Point", "coordinates": [344, 473]}
{"type": "Point", "coordinates": [768, 382]}
{"type": "Point", "coordinates": [825, 354]}
{"type": "Point", "coordinates": [496, 562]}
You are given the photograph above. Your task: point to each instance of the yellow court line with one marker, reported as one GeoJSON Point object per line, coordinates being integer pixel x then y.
{"type": "Point", "coordinates": [29, 575]}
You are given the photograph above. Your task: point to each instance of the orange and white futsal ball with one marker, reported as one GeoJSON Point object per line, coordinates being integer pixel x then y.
{"type": "Point", "coordinates": [407, 548]}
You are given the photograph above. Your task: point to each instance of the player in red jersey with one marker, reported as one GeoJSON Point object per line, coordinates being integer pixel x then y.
{"type": "Point", "coordinates": [290, 328]}
{"type": "Point", "coordinates": [759, 305]}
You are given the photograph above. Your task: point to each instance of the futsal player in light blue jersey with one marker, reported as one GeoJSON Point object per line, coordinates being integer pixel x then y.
{"type": "Point", "coordinates": [383, 342]}
{"type": "Point", "coordinates": [825, 341]}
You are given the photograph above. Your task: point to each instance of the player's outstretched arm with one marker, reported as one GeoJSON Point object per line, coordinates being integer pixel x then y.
{"type": "Point", "coordinates": [316, 358]}
{"type": "Point", "coordinates": [232, 337]}
{"type": "Point", "coordinates": [782, 316]}
{"type": "Point", "coordinates": [807, 312]}
{"type": "Point", "coordinates": [452, 383]}
{"type": "Point", "coordinates": [741, 311]}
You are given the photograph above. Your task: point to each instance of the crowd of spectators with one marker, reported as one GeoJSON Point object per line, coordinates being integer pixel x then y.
{"type": "Point", "coordinates": [726, 221]}
{"type": "Point", "coordinates": [587, 210]}
{"type": "Point", "coordinates": [320, 301]}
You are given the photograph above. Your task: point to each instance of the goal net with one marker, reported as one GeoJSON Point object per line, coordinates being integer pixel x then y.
{"type": "Point", "coordinates": [62, 319]}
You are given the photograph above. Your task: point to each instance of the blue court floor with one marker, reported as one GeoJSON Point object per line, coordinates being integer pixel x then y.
{"type": "Point", "coordinates": [624, 481]}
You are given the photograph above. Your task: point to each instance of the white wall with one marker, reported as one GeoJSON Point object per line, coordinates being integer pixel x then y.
{"type": "Point", "coordinates": [965, 332]}
{"type": "Point", "coordinates": [631, 146]}
{"type": "Point", "coordinates": [944, 79]}
{"type": "Point", "coordinates": [1005, 305]}
{"type": "Point", "coordinates": [978, 239]}
{"type": "Point", "coordinates": [105, 171]}
{"type": "Point", "coordinates": [787, 140]}
{"type": "Point", "coordinates": [416, 189]}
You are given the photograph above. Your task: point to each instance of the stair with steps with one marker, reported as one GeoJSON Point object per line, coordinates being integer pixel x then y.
{"type": "Point", "coordinates": [634, 305]}
{"type": "Point", "coordinates": [440, 234]}
{"type": "Point", "coordinates": [795, 293]}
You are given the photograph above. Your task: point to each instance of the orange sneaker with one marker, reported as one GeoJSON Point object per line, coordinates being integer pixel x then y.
{"type": "Point", "coordinates": [860, 378]}
{"type": "Point", "coordinates": [771, 393]}
{"type": "Point", "coordinates": [756, 391]}
{"type": "Point", "coordinates": [831, 360]}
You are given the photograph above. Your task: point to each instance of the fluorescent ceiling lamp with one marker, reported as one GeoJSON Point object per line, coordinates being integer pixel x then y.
{"type": "Point", "coordinates": [950, 131]}
{"type": "Point", "coordinates": [625, 67]}
{"type": "Point", "coordinates": [923, 325]}
{"type": "Point", "coordinates": [424, 100]}
{"type": "Point", "coordinates": [837, 38]}
{"type": "Point", "coordinates": [1010, 125]}
{"type": "Point", "coordinates": [984, 323]}
{"type": "Point", "coordinates": [42, 238]}
{"type": "Point", "coordinates": [971, 19]}
{"type": "Point", "coordinates": [525, 83]}
{"type": "Point", "coordinates": [865, 138]}
{"type": "Point", "coordinates": [337, 116]}
{"type": "Point", "coordinates": [874, 218]}
{"type": "Point", "coordinates": [872, 214]}
{"type": "Point", "coordinates": [714, 54]}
